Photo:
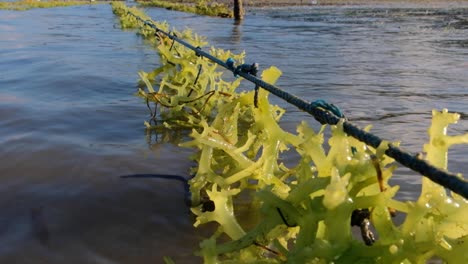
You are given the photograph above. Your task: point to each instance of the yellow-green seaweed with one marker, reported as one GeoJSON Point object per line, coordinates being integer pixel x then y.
{"type": "Point", "coordinates": [305, 209]}
{"type": "Point", "coordinates": [200, 7]}
{"type": "Point", "coordinates": [30, 4]}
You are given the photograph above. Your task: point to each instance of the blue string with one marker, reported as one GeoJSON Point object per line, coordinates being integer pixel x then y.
{"type": "Point", "coordinates": [329, 107]}
{"type": "Point", "coordinates": [230, 63]}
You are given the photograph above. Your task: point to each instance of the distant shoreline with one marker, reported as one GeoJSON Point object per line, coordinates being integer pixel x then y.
{"type": "Point", "coordinates": [284, 3]}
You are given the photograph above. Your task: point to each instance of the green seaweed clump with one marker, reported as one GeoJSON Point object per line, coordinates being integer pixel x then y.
{"type": "Point", "coordinates": [199, 7]}
{"type": "Point", "coordinates": [305, 209]}
{"type": "Point", "coordinates": [30, 4]}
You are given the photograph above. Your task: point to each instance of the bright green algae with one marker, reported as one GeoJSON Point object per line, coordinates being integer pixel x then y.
{"type": "Point", "coordinates": [30, 4]}
{"type": "Point", "coordinates": [305, 209]}
{"type": "Point", "coordinates": [200, 7]}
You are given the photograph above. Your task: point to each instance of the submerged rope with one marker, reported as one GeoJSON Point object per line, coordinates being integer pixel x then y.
{"type": "Point", "coordinates": [329, 114]}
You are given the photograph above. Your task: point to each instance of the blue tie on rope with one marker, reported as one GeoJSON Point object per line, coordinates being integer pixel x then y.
{"type": "Point", "coordinates": [251, 69]}
{"type": "Point", "coordinates": [329, 107]}
{"type": "Point", "coordinates": [329, 114]}
{"type": "Point", "coordinates": [244, 68]}
{"type": "Point", "coordinates": [230, 63]}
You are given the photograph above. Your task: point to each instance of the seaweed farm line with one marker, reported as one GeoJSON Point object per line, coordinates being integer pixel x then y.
{"type": "Point", "coordinates": [70, 125]}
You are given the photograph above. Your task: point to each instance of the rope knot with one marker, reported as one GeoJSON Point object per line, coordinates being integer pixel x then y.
{"type": "Point", "coordinates": [245, 68]}
{"type": "Point", "coordinates": [230, 64]}
{"type": "Point", "coordinates": [329, 107]}
{"type": "Point", "coordinates": [197, 51]}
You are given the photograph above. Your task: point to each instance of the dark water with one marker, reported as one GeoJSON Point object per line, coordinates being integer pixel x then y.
{"type": "Point", "coordinates": [70, 124]}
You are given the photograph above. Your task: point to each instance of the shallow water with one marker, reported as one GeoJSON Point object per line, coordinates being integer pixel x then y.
{"type": "Point", "coordinates": [70, 124]}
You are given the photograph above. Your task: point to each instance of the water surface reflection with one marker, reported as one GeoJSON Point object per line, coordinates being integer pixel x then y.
{"type": "Point", "coordinates": [70, 124]}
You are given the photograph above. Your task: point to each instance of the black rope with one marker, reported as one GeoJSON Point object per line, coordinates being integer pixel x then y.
{"type": "Point", "coordinates": [198, 74]}
{"type": "Point", "coordinates": [153, 115]}
{"type": "Point", "coordinates": [196, 80]}
{"type": "Point", "coordinates": [173, 41]}
{"type": "Point", "coordinates": [325, 116]}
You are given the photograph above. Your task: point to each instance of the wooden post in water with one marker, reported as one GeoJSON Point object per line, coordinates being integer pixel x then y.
{"type": "Point", "coordinates": [238, 10]}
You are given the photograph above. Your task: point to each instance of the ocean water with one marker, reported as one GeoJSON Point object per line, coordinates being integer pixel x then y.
{"type": "Point", "coordinates": [70, 124]}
